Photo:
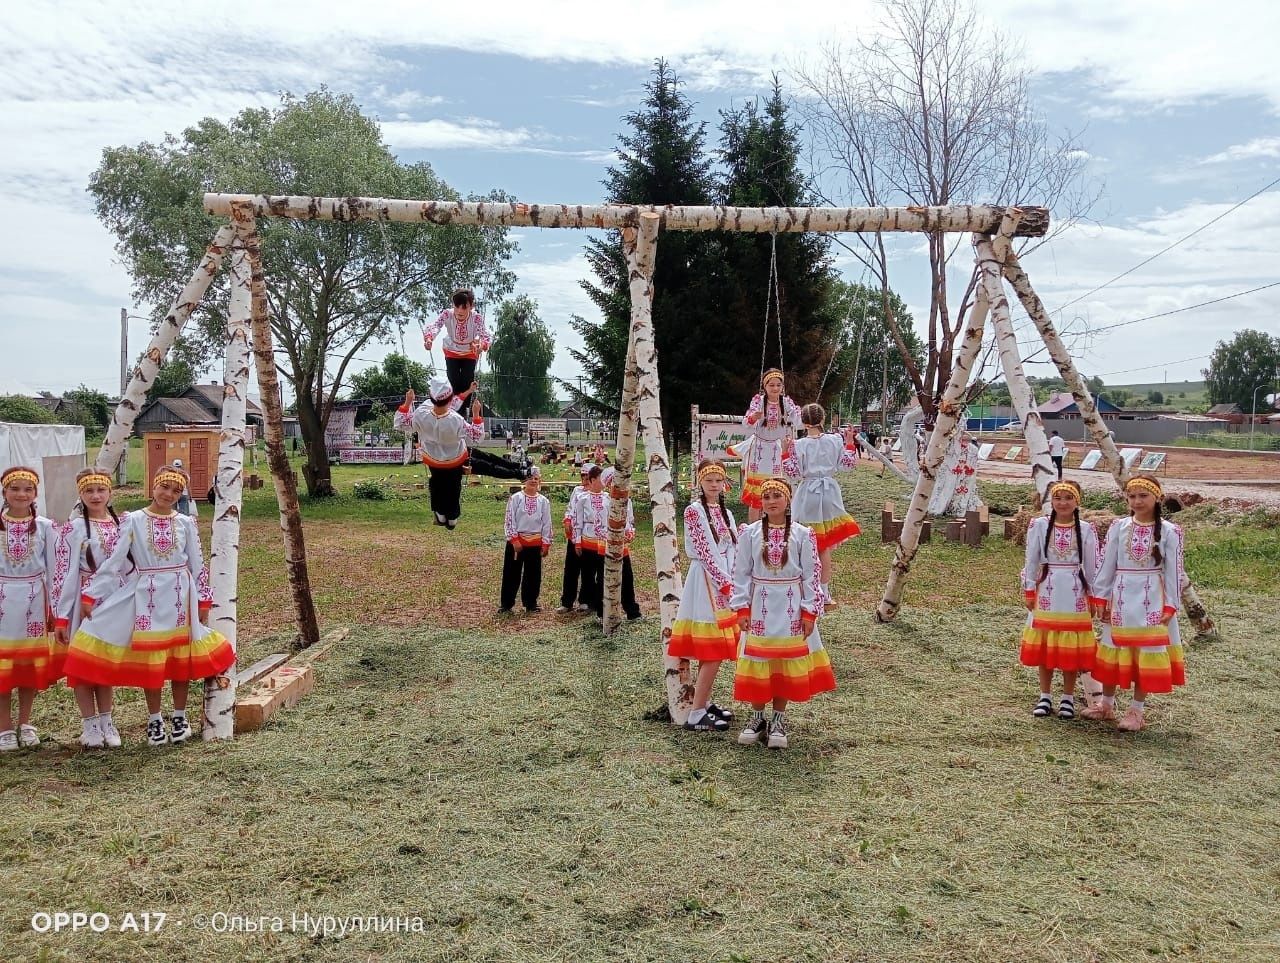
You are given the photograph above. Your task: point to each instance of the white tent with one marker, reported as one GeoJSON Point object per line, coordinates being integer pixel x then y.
{"type": "Point", "coordinates": [56, 452]}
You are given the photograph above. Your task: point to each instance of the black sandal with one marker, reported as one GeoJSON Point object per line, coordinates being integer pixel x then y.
{"type": "Point", "coordinates": [715, 710]}
{"type": "Point", "coordinates": [1067, 709]}
{"type": "Point", "coordinates": [1044, 708]}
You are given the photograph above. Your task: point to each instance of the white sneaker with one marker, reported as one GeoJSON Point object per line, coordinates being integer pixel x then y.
{"type": "Point", "coordinates": [156, 736]}
{"type": "Point", "coordinates": [755, 728]}
{"type": "Point", "coordinates": [111, 735]}
{"type": "Point", "coordinates": [28, 737]}
{"type": "Point", "coordinates": [92, 736]}
{"type": "Point", "coordinates": [563, 609]}
{"type": "Point", "coordinates": [180, 729]}
{"type": "Point", "coordinates": [8, 741]}
{"type": "Point", "coordinates": [777, 733]}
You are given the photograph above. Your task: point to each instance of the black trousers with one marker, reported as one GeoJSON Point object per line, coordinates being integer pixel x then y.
{"type": "Point", "coordinates": [445, 489]}
{"type": "Point", "coordinates": [593, 584]}
{"type": "Point", "coordinates": [495, 466]}
{"type": "Point", "coordinates": [460, 372]}
{"type": "Point", "coordinates": [1057, 463]}
{"type": "Point", "coordinates": [523, 570]}
{"type": "Point", "coordinates": [572, 572]}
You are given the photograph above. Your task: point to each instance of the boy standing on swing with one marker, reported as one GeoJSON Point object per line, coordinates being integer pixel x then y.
{"type": "Point", "coordinates": [465, 338]}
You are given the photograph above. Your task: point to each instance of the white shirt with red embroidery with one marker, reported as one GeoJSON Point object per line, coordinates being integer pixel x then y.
{"type": "Point", "coordinates": [443, 438]}
{"type": "Point", "coordinates": [776, 595]}
{"type": "Point", "coordinates": [78, 555]}
{"type": "Point", "coordinates": [26, 577]}
{"type": "Point", "coordinates": [459, 335]}
{"type": "Point", "coordinates": [709, 544]}
{"type": "Point", "coordinates": [528, 520]}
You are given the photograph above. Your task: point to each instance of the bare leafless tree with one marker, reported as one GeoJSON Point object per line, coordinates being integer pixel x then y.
{"type": "Point", "coordinates": [935, 110]}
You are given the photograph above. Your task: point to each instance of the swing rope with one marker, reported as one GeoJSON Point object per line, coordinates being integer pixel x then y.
{"type": "Point", "coordinates": [772, 298]}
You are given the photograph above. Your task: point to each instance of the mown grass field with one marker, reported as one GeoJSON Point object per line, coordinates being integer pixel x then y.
{"type": "Point", "coordinates": [501, 778]}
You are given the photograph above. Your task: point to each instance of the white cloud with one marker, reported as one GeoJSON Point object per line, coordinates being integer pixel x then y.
{"type": "Point", "coordinates": [1256, 149]}
{"type": "Point", "coordinates": [473, 134]}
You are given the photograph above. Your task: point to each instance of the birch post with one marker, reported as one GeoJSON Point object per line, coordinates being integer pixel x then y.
{"type": "Point", "coordinates": [1062, 359]}
{"type": "Point", "coordinates": [115, 445]}
{"type": "Point", "coordinates": [1031, 303]}
{"type": "Point", "coordinates": [224, 546]}
{"type": "Point", "coordinates": [1024, 402]}
{"type": "Point", "coordinates": [871, 451]}
{"type": "Point", "coordinates": [640, 274]}
{"type": "Point", "coordinates": [286, 485]}
{"type": "Point", "coordinates": [662, 500]}
{"type": "Point", "coordinates": [944, 429]}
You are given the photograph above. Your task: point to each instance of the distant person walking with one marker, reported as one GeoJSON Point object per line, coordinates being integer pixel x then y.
{"type": "Point", "coordinates": [1057, 451]}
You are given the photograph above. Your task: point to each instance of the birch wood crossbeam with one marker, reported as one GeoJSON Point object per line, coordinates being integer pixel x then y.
{"type": "Point", "coordinates": [955, 218]}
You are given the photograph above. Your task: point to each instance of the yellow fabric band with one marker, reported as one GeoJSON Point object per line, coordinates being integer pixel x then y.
{"type": "Point", "coordinates": [172, 477]}
{"type": "Point", "coordinates": [21, 474]}
{"type": "Point", "coordinates": [712, 471]}
{"type": "Point", "coordinates": [97, 478]}
{"type": "Point", "coordinates": [775, 485]}
{"type": "Point", "coordinates": [1144, 484]}
{"type": "Point", "coordinates": [1063, 487]}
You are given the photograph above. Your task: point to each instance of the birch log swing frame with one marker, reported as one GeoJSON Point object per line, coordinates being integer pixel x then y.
{"type": "Point", "coordinates": [992, 227]}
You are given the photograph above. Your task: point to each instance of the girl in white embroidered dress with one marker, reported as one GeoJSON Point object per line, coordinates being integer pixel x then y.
{"type": "Point", "coordinates": [1137, 595]}
{"type": "Point", "coordinates": [26, 589]}
{"type": "Point", "coordinates": [777, 593]}
{"type": "Point", "coordinates": [706, 627]}
{"type": "Point", "coordinates": [771, 419]}
{"type": "Point", "coordinates": [84, 542]}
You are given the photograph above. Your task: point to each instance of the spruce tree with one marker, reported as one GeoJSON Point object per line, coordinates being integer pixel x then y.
{"type": "Point", "coordinates": [662, 161]}
{"type": "Point", "coordinates": [760, 150]}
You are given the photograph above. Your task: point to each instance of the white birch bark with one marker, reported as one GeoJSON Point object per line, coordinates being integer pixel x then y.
{"type": "Point", "coordinates": [224, 546]}
{"type": "Point", "coordinates": [661, 488]}
{"type": "Point", "coordinates": [640, 270]}
{"type": "Point", "coordinates": [286, 486]}
{"type": "Point", "coordinates": [871, 451]}
{"type": "Point", "coordinates": [116, 443]}
{"type": "Point", "coordinates": [1078, 387]}
{"type": "Point", "coordinates": [1024, 402]}
{"type": "Point", "coordinates": [981, 218]}
{"type": "Point", "coordinates": [950, 408]}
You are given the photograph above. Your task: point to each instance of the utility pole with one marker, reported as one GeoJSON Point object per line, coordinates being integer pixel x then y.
{"type": "Point", "coordinates": [122, 469]}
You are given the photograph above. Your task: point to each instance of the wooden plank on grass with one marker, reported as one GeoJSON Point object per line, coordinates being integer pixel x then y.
{"type": "Point", "coordinates": [247, 677]}
{"type": "Point", "coordinates": [279, 689]}
{"type": "Point", "coordinates": [321, 649]}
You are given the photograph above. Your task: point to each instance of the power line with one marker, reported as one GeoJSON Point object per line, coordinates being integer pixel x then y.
{"type": "Point", "coordinates": [1189, 307]}
{"type": "Point", "coordinates": [1148, 367]}
{"type": "Point", "coordinates": [1166, 250]}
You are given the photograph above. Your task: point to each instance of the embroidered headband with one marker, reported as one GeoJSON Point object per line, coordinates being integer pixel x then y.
{"type": "Point", "coordinates": [1144, 484]}
{"type": "Point", "coordinates": [712, 471]}
{"type": "Point", "coordinates": [17, 475]}
{"type": "Point", "coordinates": [96, 478]}
{"type": "Point", "coordinates": [771, 374]}
{"type": "Point", "coordinates": [775, 485]}
{"type": "Point", "coordinates": [1065, 487]}
{"type": "Point", "coordinates": [172, 477]}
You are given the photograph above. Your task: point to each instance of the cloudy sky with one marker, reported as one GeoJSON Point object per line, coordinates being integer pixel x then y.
{"type": "Point", "coordinates": [1180, 115]}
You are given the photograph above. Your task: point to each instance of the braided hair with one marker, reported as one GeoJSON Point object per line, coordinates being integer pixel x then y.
{"type": "Point", "coordinates": [764, 540]}
{"type": "Point", "coordinates": [88, 534]}
{"type": "Point", "coordinates": [1156, 555]}
{"type": "Point", "coordinates": [724, 512]}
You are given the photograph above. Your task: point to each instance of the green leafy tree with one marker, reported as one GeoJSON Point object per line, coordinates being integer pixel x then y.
{"type": "Point", "coordinates": [332, 287]}
{"type": "Point", "coordinates": [662, 161]}
{"type": "Point", "coordinates": [88, 407]}
{"type": "Point", "coordinates": [22, 410]}
{"type": "Point", "coordinates": [867, 362]}
{"type": "Point", "coordinates": [520, 361]}
{"type": "Point", "coordinates": [1237, 367]}
{"type": "Point", "coordinates": [759, 148]}
{"type": "Point", "coordinates": [391, 379]}
{"type": "Point", "coordinates": [175, 376]}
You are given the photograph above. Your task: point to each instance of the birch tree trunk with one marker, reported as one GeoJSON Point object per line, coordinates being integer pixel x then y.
{"type": "Point", "coordinates": [640, 271]}
{"type": "Point", "coordinates": [952, 218]}
{"type": "Point", "coordinates": [661, 488]}
{"type": "Point", "coordinates": [950, 409]}
{"type": "Point", "coordinates": [116, 443]}
{"type": "Point", "coordinates": [1024, 402]}
{"type": "Point", "coordinates": [1062, 359]}
{"type": "Point", "coordinates": [295, 549]}
{"type": "Point", "coordinates": [1031, 303]}
{"type": "Point", "coordinates": [224, 551]}
{"type": "Point", "coordinates": [871, 451]}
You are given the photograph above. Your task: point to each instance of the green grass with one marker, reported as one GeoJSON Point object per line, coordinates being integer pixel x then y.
{"type": "Point", "coordinates": [505, 784]}
{"type": "Point", "coordinates": [1262, 440]}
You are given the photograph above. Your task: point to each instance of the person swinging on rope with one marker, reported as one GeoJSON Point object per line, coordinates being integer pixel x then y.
{"type": "Point", "coordinates": [465, 339]}
{"type": "Point", "coordinates": [771, 419]}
